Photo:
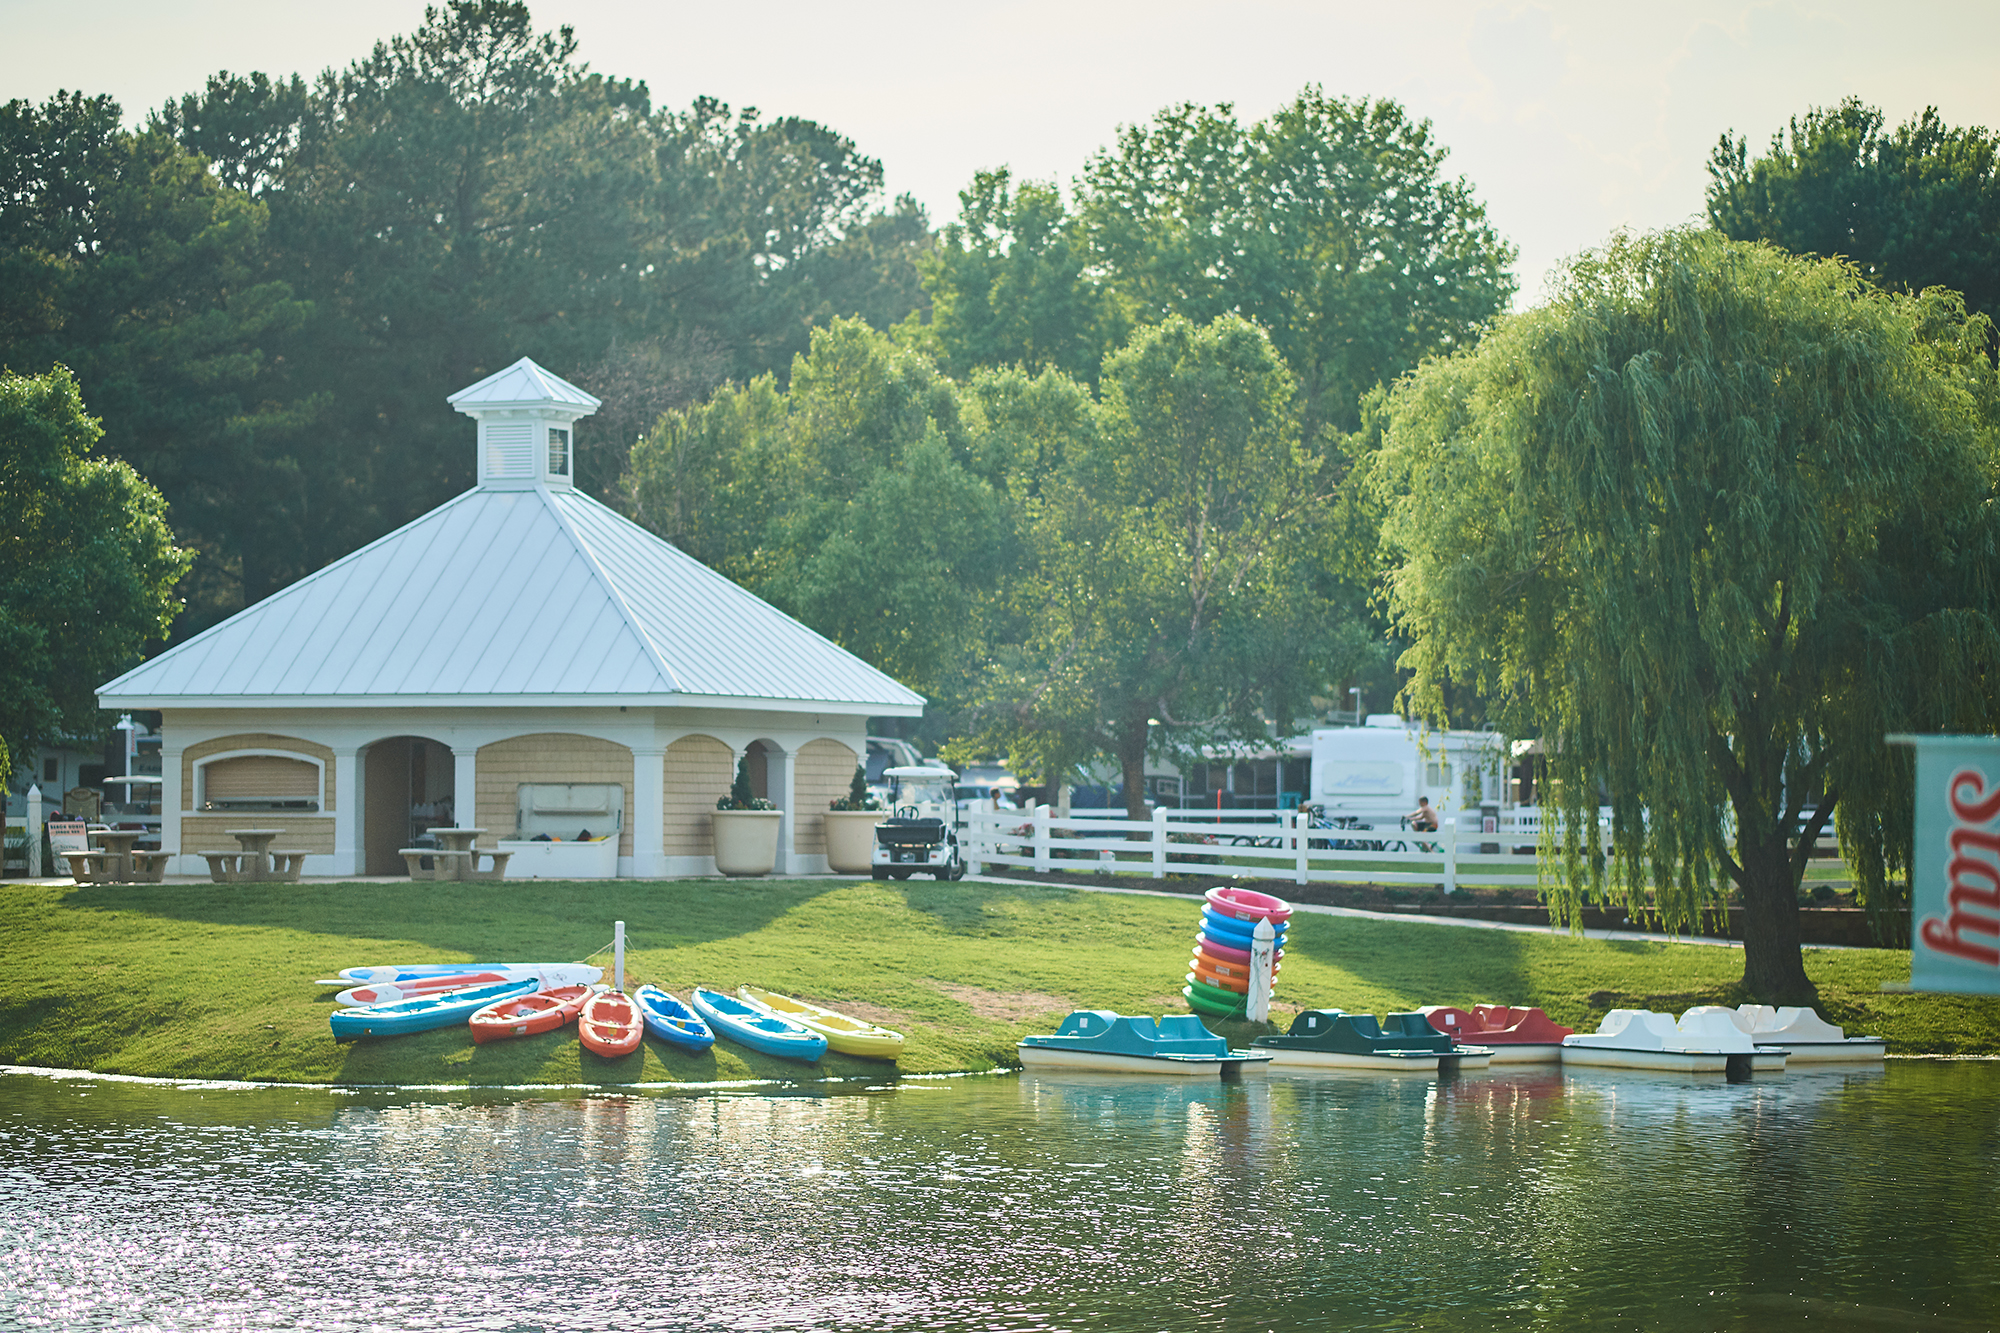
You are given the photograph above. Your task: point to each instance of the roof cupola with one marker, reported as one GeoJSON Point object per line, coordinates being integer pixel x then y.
{"type": "Point", "coordinates": [527, 419]}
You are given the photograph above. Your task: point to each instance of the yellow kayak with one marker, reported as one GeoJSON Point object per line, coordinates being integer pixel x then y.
{"type": "Point", "coordinates": [849, 1036]}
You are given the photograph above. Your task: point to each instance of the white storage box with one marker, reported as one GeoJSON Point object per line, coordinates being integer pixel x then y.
{"type": "Point", "coordinates": [563, 810]}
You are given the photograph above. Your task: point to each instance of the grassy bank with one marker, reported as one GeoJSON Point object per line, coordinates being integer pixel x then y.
{"type": "Point", "coordinates": [215, 981]}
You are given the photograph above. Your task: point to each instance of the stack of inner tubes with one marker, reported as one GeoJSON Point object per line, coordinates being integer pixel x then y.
{"type": "Point", "coordinates": [1219, 985]}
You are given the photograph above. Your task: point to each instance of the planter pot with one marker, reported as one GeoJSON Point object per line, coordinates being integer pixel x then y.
{"type": "Point", "coordinates": [746, 841]}
{"type": "Point", "coordinates": [850, 840]}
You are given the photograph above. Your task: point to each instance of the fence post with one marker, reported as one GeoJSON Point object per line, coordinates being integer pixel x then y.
{"type": "Point", "coordinates": [974, 845]}
{"type": "Point", "coordinates": [1042, 839]}
{"type": "Point", "coordinates": [1263, 960]}
{"type": "Point", "coordinates": [1159, 842]}
{"type": "Point", "coordinates": [1451, 856]}
{"type": "Point", "coordinates": [1301, 846]}
{"type": "Point", "coordinates": [34, 831]}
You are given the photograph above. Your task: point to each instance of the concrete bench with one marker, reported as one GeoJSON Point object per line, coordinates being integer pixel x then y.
{"type": "Point", "coordinates": [150, 867]}
{"type": "Point", "coordinates": [89, 867]}
{"type": "Point", "coordinates": [224, 867]}
{"type": "Point", "coordinates": [286, 864]}
{"type": "Point", "coordinates": [496, 870]}
{"type": "Point", "coordinates": [444, 865]}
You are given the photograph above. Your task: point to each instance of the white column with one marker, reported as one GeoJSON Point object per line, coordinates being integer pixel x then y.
{"type": "Point", "coordinates": [465, 789]}
{"type": "Point", "coordinates": [346, 813]}
{"type": "Point", "coordinates": [649, 814]}
{"type": "Point", "coordinates": [778, 770]}
{"type": "Point", "coordinates": [170, 813]}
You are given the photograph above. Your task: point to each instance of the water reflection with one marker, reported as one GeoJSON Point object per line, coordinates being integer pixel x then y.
{"type": "Point", "coordinates": [1524, 1197]}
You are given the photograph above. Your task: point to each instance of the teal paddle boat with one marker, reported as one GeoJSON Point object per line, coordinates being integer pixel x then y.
{"type": "Point", "coordinates": [758, 1029]}
{"type": "Point", "coordinates": [1099, 1040]}
{"type": "Point", "coordinates": [1404, 1043]}
{"type": "Point", "coordinates": [441, 1010]}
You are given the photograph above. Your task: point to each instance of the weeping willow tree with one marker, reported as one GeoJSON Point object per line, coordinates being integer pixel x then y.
{"type": "Point", "coordinates": [1709, 523]}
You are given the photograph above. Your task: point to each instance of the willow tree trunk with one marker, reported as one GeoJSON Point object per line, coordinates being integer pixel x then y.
{"type": "Point", "coordinates": [1774, 969]}
{"type": "Point", "coordinates": [1132, 767]}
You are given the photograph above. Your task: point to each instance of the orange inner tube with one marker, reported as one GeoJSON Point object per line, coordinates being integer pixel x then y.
{"type": "Point", "coordinates": [1205, 961]}
{"type": "Point", "coordinates": [1204, 974]}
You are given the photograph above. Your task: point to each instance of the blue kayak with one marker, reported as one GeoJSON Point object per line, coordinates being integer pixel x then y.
{"type": "Point", "coordinates": [671, 1021]}
{"type": "Point", "coordinates": [421, 1015]}
{"type": "Point", "coordinates": [755, 1028]}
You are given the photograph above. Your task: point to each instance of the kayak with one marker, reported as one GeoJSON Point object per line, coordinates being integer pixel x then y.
{"type": "Point", "coordinates": [843, 1033]}
{"type": "Point", "coordinates": [550, 975]}
{"type": "Point", "coordinates": [610, 1024]}
{"type": "Point", "coordinates": [757, 1029]}
{"type": "Point", "coordinates": [527, 1015]}
{"type": "Point", "coordinates": [443, 1010]}
{"type": "Point", "coordinates": [671, 1021]}
{"type": "Point", "coordinates": [395, 972]}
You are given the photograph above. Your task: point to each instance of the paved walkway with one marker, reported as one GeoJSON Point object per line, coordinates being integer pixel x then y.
{"type": "Point", "coordinates": [1462, 922]}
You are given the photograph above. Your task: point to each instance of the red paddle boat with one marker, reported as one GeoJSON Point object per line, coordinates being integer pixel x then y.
{"type": "Point", "coordinates": [1517, 1036]}
{"type": "Point", "coordinates": [526, 1015]}
{"type": "Point", "coordinates": [611, 1024]}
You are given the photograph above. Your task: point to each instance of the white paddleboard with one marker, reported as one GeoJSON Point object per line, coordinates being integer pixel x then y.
{"type": "Point", "coordinates": [548, 975]}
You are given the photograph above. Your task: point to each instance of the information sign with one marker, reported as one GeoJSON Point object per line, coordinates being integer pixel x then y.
{"type": "Point", "coordinates": [1955, 883]}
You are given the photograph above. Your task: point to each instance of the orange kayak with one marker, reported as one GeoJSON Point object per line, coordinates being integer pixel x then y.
{"type": "Point", "coordinates": [525, 1015]}
{"type": "Point", "coordinates": [611, 1024]}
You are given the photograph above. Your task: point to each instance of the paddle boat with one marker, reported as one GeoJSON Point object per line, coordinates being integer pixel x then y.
{"type": "Point", "coordinates": [1704, 1043]}
{"type": "Point", "coordinates": [550, 975]}
{"type": "Point", "coordinates": [527, 1015]}
{"type": "Point", "coordinates": [1810, 1039]}
{"type": "Point", "coordinates": [758, 1029]}
{"type": "Point", "coordinates": [610, 1024]}
{"type": "Point", "coordinates": [843, 1033]}
{"type": "Point", "coordinates": [672, 1021]}
{"type": "Point", "coordinates": [443, 1010]}
{"type": "Point", "coordinates": [1517, 1036]}
{"type": "Point", "coordinates": [1399, 1043]}
{"type": "Point", "coordinates": [1097, 1039]}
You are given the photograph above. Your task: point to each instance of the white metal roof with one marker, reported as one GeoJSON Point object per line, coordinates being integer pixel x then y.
{"type": "Point", "coordinates": [538, 595]}
{"type": "Point", "coordinates": [523, 384]}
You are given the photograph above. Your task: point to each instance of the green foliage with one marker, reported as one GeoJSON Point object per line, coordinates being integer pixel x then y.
{"type": "Point", "coordinates": [87, 564]}
{"type": "Point", "coordinates": [857, 797]}
{"type": "Point", "coordinates": [740, 796]}
{"type": "Point", "coordinates": [1710, 523]}
{"type": "Point", "coordinates": [1914, 208]}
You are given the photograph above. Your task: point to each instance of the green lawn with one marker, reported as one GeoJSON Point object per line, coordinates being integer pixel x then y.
{"type": "Point", "coordinates": [216, 981]}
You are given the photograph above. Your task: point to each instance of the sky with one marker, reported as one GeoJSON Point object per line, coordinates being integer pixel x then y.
{"type": "Point", "coordinates": [1570, 119]}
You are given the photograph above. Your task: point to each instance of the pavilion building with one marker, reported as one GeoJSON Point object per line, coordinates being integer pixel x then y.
{"type": "Point", "coordinates": [520, 636]}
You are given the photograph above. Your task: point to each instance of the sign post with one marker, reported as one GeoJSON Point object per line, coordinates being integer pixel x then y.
{"type": "Point", "coordinates": [1955, 865]}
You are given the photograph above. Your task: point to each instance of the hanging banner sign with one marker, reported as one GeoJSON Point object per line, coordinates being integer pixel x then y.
{"type": "Point", "coordinates": [1955, 878]}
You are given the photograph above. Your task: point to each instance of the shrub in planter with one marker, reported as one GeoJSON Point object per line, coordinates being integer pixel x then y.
{"type": "Point", "coordinates": [850, 827]}
{"type": "Point", "coordinates": [746, 829]}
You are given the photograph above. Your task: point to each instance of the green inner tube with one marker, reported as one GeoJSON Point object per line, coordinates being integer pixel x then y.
{"type": "Point", "coordinates": [1202, 999]}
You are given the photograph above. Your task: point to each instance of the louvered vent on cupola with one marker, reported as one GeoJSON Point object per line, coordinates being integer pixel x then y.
{"type": "Point", "coordinates": [526, 416]}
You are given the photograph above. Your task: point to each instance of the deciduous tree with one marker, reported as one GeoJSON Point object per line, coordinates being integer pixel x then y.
{"type": "Point", "coordinates": [1709, 523]}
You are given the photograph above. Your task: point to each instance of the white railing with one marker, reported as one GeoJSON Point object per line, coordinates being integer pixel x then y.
{"type": "Point", "coordinates": [1270, 844]}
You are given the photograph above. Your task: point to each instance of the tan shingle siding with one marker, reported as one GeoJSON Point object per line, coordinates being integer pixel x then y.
{"type": "Point", "coordinates": [546, 757]}
{"type": "Point", "coordinates": [699, 770]}
{"type": "Point", "coordinates": [254, 740]}
{"type": "Point", "coordinates": [821, 774]}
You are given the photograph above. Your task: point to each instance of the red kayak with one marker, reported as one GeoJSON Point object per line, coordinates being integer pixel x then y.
{"type": "Point", "coordinates": [526, 1015]}
{"type": "Point", "coordinates": [611, 1024]}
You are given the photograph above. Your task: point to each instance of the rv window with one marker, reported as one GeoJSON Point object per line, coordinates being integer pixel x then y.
{"type": "Point", "coordinates": [1437, 773]}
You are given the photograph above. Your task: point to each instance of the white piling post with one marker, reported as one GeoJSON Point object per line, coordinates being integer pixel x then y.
{"type": "Point", "coordinates": [1451, 855]}
{"type": "Point", "coordinates": [1263, 967]}
{"type": "Point", "coordinates": [1301, 847]}
{"type": "Point", "coordinates": [34, 831]}
{"type": "Point", "coordinates": [977, 830]}
{"type": "Point", "coordinates": [1042, 839]}
{"type": "Point", "coordinates": [1159, 842]}
{"type": "Point", "coordinates": [618, 955]}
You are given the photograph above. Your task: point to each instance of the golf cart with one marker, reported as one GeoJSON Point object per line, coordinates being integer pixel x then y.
{"type": "Point", "coordinates": [921, 833]}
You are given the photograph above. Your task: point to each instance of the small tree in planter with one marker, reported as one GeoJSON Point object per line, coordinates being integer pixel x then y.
{"type": "Point", "coordinates": [746, 828]}
{"type": "Point", "coordinates": [850, 827]}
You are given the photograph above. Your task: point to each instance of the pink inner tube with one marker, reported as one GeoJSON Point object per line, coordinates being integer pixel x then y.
{"type": "Point", "coordinates": [1226, 952]}
{"type": "Point", "coordinates": [1247, 904]}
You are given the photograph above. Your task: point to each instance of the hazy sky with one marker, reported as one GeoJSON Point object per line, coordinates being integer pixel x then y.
{"type": "Point", "coordinates": [1570, 119]}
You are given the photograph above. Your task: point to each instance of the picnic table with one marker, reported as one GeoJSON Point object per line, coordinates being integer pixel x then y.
{"type": "Point", "coordinates": [115, 861]}
{"type": "Point", "coordinates": [454, 858]}
{"type": "Point", "coordinates": [255, 860]}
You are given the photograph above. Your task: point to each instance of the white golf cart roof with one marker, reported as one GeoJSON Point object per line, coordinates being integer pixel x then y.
{"type": "Point", "coordinates": [920, 771]}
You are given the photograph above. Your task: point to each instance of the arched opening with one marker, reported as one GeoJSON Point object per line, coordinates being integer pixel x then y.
{"type": "Point", "coordinates": [757, 764]}
{"type": "Point", "coordinates": [407, 784]}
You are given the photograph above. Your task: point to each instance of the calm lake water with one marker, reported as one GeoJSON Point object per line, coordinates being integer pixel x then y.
{"type": "Point", "coordinates": [1601, 1199]}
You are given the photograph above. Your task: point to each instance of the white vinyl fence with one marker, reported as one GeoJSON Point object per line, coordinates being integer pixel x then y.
{"type": "Point", "coordinates": [1266, 844]}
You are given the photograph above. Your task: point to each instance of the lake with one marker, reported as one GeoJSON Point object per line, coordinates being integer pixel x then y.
{"type": "Point", "coordinates": [1865, 1199]}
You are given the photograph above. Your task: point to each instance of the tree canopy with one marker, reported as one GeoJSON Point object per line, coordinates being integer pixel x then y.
{"type": "Point", "coordinates": [1913, 208]}
{"type": "Point", "coordinates": [1710, 523]}
{"type": "Point", "coordinates": [87, 565]}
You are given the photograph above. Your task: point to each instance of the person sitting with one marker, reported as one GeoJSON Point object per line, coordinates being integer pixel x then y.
{"type": "Point", "coordinates": [1423, 819]}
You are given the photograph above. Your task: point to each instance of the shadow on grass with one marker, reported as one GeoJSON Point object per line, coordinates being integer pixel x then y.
{"type": "Point", "coordinates": [977, 909]}
{"type": "Point", "coordinates": [529, 921]}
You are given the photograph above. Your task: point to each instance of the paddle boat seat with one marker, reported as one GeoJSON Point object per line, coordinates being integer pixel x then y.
{"type": "Point", "coordinates": [1123, 1034]}
{"type": "Point", "coordinates": [1336, 1032]}
{"type": "Point", "coordinates": [1497, 1024]}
